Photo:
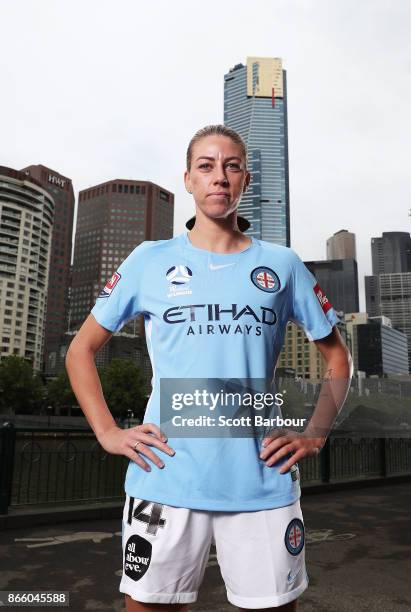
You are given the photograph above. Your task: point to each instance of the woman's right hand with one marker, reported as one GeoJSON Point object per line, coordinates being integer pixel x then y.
{"type": "Point", "coordinates": [119, 441]}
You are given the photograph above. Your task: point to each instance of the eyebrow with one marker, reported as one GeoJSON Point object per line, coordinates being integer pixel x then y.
{"type": "Point", "coordinates": [213, 159]}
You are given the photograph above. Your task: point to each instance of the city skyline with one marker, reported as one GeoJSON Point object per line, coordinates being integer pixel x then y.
{"type": "Point", "coordinates": [346, 143]}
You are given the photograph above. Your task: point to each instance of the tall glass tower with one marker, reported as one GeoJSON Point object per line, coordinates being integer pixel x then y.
{"type": "Point", "coordinates": [255, 105]}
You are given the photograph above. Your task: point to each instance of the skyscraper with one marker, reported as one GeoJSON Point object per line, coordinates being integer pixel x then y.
{"type": "Point", "coordinates": [391, 253]}
{"type": "Point", "coordinates": [339, 280]}
{"type": "Point", "coordinates": [382, 349]}
{"type": "Point", "coordinates": [113, 218]}
{"type": "Point", "coordinates": [255, 105]}
{"type": "Point", "coordinates": [390, 295]}
{"type": "Point", "coordinates": [26, 223]}
{"type": "Point", "coordinates": [388, 289]}
{"type": "Point", "coordinates": [341, 245]}
{"type": "Point", "coordinates": [61, 189]}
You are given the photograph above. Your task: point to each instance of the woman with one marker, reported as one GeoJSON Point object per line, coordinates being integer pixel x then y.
{"type": "Point", "coordinates": [215, 303]}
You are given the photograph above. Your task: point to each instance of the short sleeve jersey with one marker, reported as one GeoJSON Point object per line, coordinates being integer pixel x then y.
{"type": "Point", "coordinates": [213, 315]}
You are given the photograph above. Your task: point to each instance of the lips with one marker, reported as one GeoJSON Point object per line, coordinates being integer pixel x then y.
{"type": "Point", "coordinates": [219, 193]}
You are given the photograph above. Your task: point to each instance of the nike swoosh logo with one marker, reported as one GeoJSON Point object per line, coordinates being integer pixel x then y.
{"type": "Point", "coordinates": [212, 267]}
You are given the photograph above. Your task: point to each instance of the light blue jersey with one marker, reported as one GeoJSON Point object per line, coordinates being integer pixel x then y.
{"type": "Point", "coordinates": [213, 315]}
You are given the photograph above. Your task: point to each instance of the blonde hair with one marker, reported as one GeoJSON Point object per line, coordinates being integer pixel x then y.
{"type": "Point", "coordinates": [220, 130]}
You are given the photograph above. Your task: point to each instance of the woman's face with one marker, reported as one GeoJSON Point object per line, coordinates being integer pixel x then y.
{"type": "Point", "coordinates": [218, 175]}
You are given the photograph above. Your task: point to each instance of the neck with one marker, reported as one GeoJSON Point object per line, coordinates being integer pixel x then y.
{"type": "Point", "coordinates": [218, 235]}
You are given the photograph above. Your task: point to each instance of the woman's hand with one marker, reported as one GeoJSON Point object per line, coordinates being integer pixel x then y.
{"type": "Point", "coordinates": [279, 444]}
{"type": "Point", "coordinates": [119, 441]}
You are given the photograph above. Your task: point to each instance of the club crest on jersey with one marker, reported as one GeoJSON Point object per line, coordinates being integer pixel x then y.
{"type": "Point", "coordinates": [265, 279]}
{"type": "Point", "coordinates": [179, 277]}
{"type": "Point", "coordinates": [322, 298]}
{"type": "Point", "coordinates": [106, 291]}
{"type": "Point", "coordinates": [294, 536]}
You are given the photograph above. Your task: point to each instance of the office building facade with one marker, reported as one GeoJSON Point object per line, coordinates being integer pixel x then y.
{"type": "Point", "coordinates": [26, 225]}
{"type": "Point", "coordinates": [255, 105]}
{"type": "Point", "coordinates": [113, 218]}
{"type": "Point", "coordinates": [391, 253]}
{"type": "Point", "coordinates": [339, 280]}
{"type": "Point", "coordinates": [390, 295]}
{"type": "Point", "coordinates": [381, 349]}
{"type": "Point", "coordinates": [301, 355]}
{"type": "Point", "coordinates": [341, 245]}
{"type": "Point", "coordinates": [61, 189]}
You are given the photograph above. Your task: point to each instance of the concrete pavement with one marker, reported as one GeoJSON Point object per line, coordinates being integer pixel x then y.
{"type": "Point", "coordinates": [358, 552]}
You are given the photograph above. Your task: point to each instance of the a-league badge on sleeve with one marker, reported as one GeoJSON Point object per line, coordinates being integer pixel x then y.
{"type": "Point", "coordinates": [106, 291]}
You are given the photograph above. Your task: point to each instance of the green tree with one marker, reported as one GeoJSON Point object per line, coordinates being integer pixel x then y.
{"type": "Point", "coordinates": [21, 390]}
{"type": "Point", "coordinates": [124, 388]}
{"type": "Point", "coordinates": [59, 392]}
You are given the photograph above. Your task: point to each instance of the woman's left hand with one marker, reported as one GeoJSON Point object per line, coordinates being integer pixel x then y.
{"type": "Point", "coordinates": [280, 443]}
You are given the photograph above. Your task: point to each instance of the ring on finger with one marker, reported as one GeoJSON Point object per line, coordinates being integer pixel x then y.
{"type": "Point", "coordinates": [136, 444]}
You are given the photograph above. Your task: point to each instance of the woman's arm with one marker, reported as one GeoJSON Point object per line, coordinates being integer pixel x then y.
{"type": "Point", "coordinates": [332, 396]}
{"type": "Point", "coordinates": [85, 382]}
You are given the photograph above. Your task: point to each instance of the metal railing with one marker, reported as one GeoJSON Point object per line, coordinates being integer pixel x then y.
{"type": "Point", "coordinates": [53, 466]}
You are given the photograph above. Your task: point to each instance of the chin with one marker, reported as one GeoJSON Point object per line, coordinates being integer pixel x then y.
{"type": "Point", "coordinates": [218, 211]}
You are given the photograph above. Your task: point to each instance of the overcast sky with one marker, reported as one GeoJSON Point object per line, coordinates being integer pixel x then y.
{"type": "Point", "coordinates": [99, 90]}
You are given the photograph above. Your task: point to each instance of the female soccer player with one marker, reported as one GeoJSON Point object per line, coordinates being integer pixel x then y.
{"type": "Point", "coordinates": [216, 303]}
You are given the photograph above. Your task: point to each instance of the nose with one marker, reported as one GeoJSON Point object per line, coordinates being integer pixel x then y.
{"type": "Point", "coordinates": [220, 175]}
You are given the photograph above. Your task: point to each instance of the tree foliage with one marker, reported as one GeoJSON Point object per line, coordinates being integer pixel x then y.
{"type": "Point", "coordinates": [124, 388]}
{"type": "Point", "coordinates": [59, 392]}
{"type": "Point", "coordinates": [21, 390]}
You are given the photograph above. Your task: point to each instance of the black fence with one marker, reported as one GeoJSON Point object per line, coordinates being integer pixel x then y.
{"type": "Point", "coordinates": [69, 466]}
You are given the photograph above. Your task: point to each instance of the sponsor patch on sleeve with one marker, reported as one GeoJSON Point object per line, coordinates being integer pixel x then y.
{"type": "Point", "coordinates": [322, 298]}
{"type": "Point", "coordinates": [109, 286]}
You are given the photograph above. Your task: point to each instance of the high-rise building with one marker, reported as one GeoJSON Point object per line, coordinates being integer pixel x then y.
{"type": "Point", "coordinates": [61, 189]}
{"type": "Point", "coordinates": [112, 219]}
{"type": "Point", "coordinates": [352, 319]}
{"type": "Point", "coordinates": [301, 355]}
{"type": "Point", "coordinates": [388, 289]}
{"type": "Point", "coordinates": [255, 105]}
{"type": "Point", "coordinates": [381, 348]}
{"type": "Point", "coordinates": [391, 253]}
{"type": "Point", "coordinates": [377, 348]}
{"type": "Point", "coordinates": [26, 224]}
{"type": "Point", "coordinates": [341, 245]}
{"type": "Point", "coordinates": [390, 295]}
{"type": "Point", "coordinates": [339, 279]}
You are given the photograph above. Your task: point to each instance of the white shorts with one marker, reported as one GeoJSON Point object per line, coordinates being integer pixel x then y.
{"type": "Point", "coordinates": [261, 554]}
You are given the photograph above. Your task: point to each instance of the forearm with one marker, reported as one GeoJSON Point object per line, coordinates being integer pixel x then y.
{"type": "Point", "coordinates": [333, 393]}
{"type": "Point", "coordinates": [86, 386]}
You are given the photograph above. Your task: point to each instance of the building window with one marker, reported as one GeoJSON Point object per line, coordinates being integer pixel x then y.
{"type": "Point", "coordinates": [114, 188]}
{"type": "Point", "coordinates": [125, 188]}
{"type": "Point", "coordinates": [120, 188]}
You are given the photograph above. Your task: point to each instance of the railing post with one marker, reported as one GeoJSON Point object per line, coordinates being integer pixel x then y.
{"type": "Point", "coordinates": [325, 468]}
{"type": "Point", "coordinates": [7, 445]}
{"type": "Point", "coordinates": [383, 457]}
